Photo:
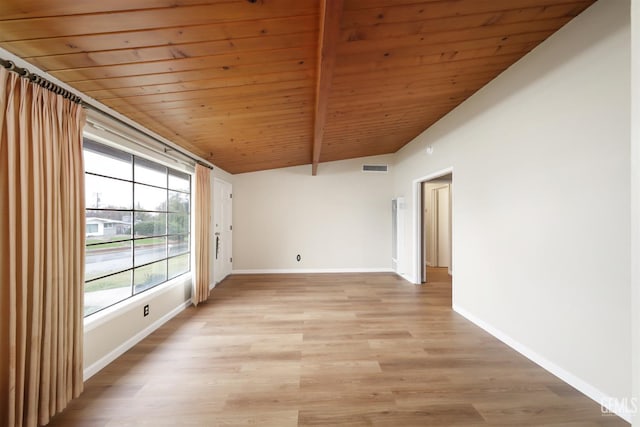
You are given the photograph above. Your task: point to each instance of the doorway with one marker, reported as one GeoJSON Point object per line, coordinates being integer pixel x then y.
{"type": "Point", "coordinates": [436, 229]}
{"type": "Point", "coordinates": [222, 229]}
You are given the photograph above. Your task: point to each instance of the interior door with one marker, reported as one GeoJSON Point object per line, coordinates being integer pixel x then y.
{"type": "Point", "coordinates": [222, 229]}
{"type": "Point", "coordinates": [443, 228]}
{"type": "Point", "coordinates": [227, 230]}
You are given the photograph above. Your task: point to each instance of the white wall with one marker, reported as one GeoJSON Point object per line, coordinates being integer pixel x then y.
{"type": "Point", "coordinates": [635, 199]}
{"type": "Point", "coordinates": [111, 332]}
{"type": "Point", "coordinates": [337, 220]}
{"type": "Point", "coordinates": [541, 211]}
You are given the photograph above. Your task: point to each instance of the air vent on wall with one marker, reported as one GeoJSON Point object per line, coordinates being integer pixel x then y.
{"type": "Point", "coordinates": [375, 168]}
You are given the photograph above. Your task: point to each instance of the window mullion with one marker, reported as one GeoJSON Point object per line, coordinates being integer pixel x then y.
{"type": "Point", "coordinates": [166, 230]}
{"type": "Point", "coordinates": [133, 222]}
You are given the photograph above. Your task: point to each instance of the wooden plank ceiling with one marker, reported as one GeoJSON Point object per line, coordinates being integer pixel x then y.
{"type": "Point", "coordinates": [262, 84]}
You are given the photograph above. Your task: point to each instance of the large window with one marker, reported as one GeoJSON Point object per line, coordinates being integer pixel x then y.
{"type": "Point", "coordinates": [137, 226]}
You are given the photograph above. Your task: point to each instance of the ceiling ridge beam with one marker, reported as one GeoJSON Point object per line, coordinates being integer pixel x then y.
{"type": "Point", "coordinates": [330, 17]}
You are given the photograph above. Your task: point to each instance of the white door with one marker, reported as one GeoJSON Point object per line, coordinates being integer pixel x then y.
{"type": "Point", "coordinates": [227, 230]}
{"type": "Point", "coordinates": [443, 229]}
{"type": "Point", "coordinates": [222, 229]}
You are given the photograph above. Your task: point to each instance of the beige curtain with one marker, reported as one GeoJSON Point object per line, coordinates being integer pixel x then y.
{"type": "Point", "coordinates": [41, 251]}
{"type": "Point", "coordinates": [203, 225]}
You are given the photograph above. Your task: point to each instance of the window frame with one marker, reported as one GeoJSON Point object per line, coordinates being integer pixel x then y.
{"type": "Point", "coordinates": [112, 142]}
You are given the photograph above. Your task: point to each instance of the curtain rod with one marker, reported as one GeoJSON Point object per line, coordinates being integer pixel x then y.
{"type": "Point", "coordinates": [41, 81]}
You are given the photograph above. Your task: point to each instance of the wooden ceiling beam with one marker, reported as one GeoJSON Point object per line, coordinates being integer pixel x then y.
{"type": "Point", "coordinates": [330, 17]}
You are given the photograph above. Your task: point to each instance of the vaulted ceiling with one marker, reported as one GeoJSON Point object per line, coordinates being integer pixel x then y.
{"type": "Point", "coordinates": [261, 84]}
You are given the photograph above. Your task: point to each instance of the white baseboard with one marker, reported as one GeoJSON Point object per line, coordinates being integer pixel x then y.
{"type": "Point", "coordinates": [121, 349]}
{"type": "Point", "coordinates": [587, 389]}
{"type": "Point", "coordinates": [313, 270]}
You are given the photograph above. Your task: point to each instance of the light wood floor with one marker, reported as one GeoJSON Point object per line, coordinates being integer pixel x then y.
{"type": "Point", "coordinates": [437, 275]}
{"type": "Point", "coordinates": [349, 349]}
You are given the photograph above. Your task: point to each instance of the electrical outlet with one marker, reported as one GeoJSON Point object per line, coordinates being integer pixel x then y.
{"type": "Point", "coordinates": [145, 311]}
